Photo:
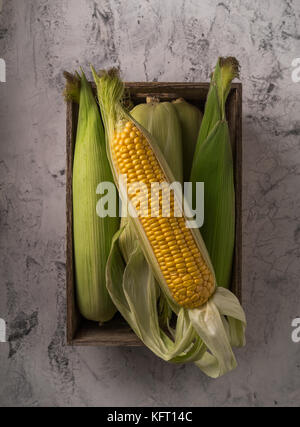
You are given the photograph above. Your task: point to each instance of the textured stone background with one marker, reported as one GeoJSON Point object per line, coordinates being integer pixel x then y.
{"type": "Point", "coordinates": [170, 40]}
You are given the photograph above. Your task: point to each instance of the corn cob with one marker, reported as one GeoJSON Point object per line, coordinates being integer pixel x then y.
{"type": "Point", "coordinates": [176, 253]}
{"type": "Point", "coordinates": [203, 335]}
{"type": "Point", "coordinates": [161, 121]}
{"type": "Point", "coordinates": [182, 265]}
{"type": "Point", "coordinates": [213, 165]}
{"type": "Point", "coordinates": [92, 234]}
{"type": "Point", "coordinates": [190, 118]}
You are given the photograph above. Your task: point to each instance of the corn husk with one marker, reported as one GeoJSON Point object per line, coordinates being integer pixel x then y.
{"type": "Point", "coordinates": [190, 118]}
{"type": "Point", "coordinates": [92, 234]}
{"type": "Point", "coordinates": [204, 335]}
{"type": "Point", "coordinates": [161, 121]}
{"type": "Point", "coordinates": [213, 165]}
{"type": "Point", "coordinates": [135, 293]}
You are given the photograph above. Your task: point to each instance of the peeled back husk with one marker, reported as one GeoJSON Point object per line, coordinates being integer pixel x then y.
{"type": "Point", "coordinates": [92, 234]}
{"type": "Point", "coordinates": [190, 118]}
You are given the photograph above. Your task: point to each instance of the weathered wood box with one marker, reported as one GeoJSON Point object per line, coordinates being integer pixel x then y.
{"type": "Point", "coordinates": [117, 332]}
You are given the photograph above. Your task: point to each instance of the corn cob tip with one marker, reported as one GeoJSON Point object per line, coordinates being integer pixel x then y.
{"type": "Point", "coordinates": [230, 68]}
{"type": "Point", "coordinates": [232, 63]}
{"type": "Point", "coordinates": [97, 75]}
{"type": "Point", "coordinates": [72, 89]}
{"type": "Point", "coordinates": [111, 73]}
{"type": "Point", "coordinates": [152, 100]}
{"type": "Point", "coordinates": [83, 76]}
{"type": "Point", "coordinates": [94, 72]}
{"type": "Point", "coordinates": [83, 79]}
{"type": "Point", "coordinates": [111, 76]}
{"type": "Point", "coordinates": [179, 100]}
{"type": "Point", "coordinates": [226, 70]}
{"type": "Point", "coordinates": [110, 90]}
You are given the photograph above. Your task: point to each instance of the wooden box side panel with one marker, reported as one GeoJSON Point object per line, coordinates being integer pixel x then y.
{"type": "Point", "coordinates": [238, 171]}
{"type": "Point", "coordinates": [234, 117]}
{"type": "Point", "coordinates": [73, 316]}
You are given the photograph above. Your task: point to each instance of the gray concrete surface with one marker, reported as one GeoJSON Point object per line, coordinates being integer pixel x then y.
{"type": "Point", "coordinates": [170, 40]}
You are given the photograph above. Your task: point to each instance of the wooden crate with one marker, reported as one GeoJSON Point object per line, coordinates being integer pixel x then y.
{"type": "Point", "coordinates": [117, 332]}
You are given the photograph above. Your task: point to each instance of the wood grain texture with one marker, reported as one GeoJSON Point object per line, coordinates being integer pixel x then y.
{"type": "Point", "coordinates": [114, 333]}
{"type": "Point", "coordinates": [238, 169]}
{"type": "Point", "coordinates": [117, 332]}
{"type": "Point", "coordinates": [73, 316]}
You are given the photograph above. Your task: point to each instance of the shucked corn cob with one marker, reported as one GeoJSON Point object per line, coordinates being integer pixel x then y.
{"type": "Point", "coordinates": [183, 267]}
{"type": "Point", "coordinates": [161, 121]}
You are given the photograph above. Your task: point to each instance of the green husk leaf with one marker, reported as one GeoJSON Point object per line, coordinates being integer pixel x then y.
{"type": "Point", "coordinates": [92, 234]}
{"type": "Point", "coordinates": [213, 165]}
{"type": "Point", "coordinates": [221, 324]}
{"type": "Point", "coordinates": [72, 88]}
{"type": "Point", "coordinates": [161, 121]}
{"type": "Point", "coordinates": [230, 309]}
{"type": "Point", "coordinates": [217, 333]}
{"type": "Point", "coordinates": [190, 118]}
